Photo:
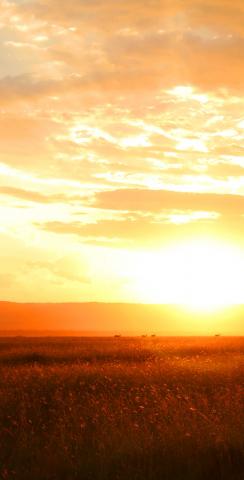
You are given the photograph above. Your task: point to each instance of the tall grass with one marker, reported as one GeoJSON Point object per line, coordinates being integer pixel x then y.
{"type": "Point", "coordinates": [151, 408]}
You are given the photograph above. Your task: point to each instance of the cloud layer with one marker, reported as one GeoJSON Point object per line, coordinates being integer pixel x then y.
{"type": "Point", "coordinates": [121, 127]}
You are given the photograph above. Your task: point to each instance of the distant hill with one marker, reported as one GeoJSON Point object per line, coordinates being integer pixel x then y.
{"type": "Point", "coordinates": [114, 318]}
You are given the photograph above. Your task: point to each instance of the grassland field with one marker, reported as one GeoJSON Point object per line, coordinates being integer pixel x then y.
{"type": "Point", "coordinates": [122, 408]}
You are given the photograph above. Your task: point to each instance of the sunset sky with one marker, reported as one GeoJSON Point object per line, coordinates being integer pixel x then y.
{"type": "Point", "coordinates": [122, 151]}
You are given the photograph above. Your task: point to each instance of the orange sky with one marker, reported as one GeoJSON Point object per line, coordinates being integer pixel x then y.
{"type": "Point", "coordinates": [121, 159]}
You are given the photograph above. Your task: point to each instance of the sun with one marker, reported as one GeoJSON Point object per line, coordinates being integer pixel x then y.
{"type": "Point", "coordinates": [200, 274]}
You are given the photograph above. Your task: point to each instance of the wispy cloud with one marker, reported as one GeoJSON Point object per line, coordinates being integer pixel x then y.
{"type": "Point", "coordinates": [121, 125]}
{"type": "Point", "coordinates": [160, 200]}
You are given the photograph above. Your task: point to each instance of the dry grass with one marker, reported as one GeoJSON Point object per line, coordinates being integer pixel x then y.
{"type": "Point", "coordinates": [117, 408]}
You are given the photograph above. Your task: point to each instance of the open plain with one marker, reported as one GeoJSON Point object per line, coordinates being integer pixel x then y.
{"type": "Point", "coordinates": [122, 408]}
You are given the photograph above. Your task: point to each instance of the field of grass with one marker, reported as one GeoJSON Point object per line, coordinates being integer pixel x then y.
{"type": "Point", "coordinates": [122, 408]}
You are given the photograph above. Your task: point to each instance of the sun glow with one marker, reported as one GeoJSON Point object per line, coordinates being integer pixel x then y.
{"type": "Point", "coordinates": [202, 275]}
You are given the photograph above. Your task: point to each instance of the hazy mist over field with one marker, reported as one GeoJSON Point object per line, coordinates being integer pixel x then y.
{"type": "Point", "coordinates": [109, 319]}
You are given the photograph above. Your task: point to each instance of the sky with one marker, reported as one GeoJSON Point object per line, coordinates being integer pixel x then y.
{"type": "Point", "coordinates": [121, 159]}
